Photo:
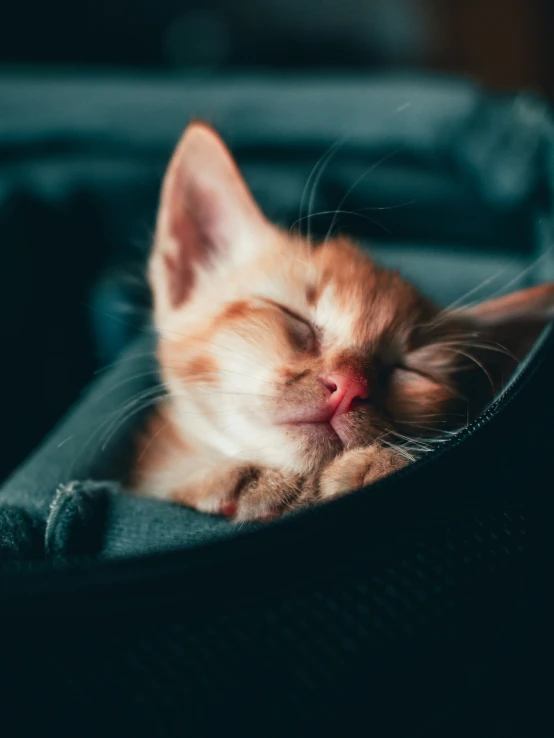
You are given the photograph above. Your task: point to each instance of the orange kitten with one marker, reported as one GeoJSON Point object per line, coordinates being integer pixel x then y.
{"type": "Point", "coordinates": [298, 371]}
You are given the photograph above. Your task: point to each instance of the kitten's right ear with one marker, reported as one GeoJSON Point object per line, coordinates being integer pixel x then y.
{"type": "Point", "coordinates": [206, 214]}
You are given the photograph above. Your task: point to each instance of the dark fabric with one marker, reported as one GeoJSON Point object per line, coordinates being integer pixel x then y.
{"type": "Point", "coordinates": [418, 607]}
{"type": "Point", "coordinates": [76, 522]}
{"type": "Point", "coordinates": [74, 526]}
{"type": "Point", "coordinates": [21, 536]}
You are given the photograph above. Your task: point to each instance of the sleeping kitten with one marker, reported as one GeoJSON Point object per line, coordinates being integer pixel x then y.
{"type": "Point", "coordinates": [299, 371]}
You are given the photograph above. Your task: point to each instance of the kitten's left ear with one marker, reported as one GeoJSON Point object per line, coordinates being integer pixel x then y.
{"type": "Point", "coordinates": [476, 350]}
{"type": "Point", "coordinates": [514, 321]}
{"type": "Point", "coordinates": [206, 215]}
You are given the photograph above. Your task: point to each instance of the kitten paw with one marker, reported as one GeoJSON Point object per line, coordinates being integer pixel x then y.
{"type": "Point", "coordinates": [265, 495]}
{"type": "Point", "coordinates": [357, 468]}
{"type": "Point", "coordinates": [248, 493]}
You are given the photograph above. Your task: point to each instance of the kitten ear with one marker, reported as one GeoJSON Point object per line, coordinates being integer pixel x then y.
{"type": "Point", "coordinates": [501, 333]}
{"type": "Point", "coordinates": [514, 321]}
{"type": "Point", "coordinates": [469, 356]}
{"type": "Point", "coordinates": [206, 213]}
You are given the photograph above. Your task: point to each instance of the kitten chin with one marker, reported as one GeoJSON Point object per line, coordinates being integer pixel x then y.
{"type": "Point", "coordinates": [317, 444]}
{"type": "Point", "coordinates": [284, 359]}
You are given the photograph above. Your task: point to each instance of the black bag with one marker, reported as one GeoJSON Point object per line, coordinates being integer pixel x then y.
{"type": "Point", "coordinates": [416, 607]}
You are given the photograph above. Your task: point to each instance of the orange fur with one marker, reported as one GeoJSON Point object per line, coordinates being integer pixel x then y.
{"type": "Point", "coordinates": [200, 369]}
{"type": "Point", "coordinates": [257, 330]}
{"type": "Point", "coordinates": [154, 445]}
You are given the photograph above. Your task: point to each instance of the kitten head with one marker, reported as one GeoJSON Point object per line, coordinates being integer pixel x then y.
{"type": "Point", "coordinates": [281, 352]}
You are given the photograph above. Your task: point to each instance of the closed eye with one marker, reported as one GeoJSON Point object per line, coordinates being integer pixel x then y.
{"type": "Point", "coordinates": [410, 370]}
{"type": "Point", "coordinates": [305, 331]}
{"type": "Point", "coordinates": [294, 315]}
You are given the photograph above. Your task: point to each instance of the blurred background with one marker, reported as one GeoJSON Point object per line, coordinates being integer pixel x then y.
{"type": "Point", "coordinates": [93, 96]}
{"type": "Point", "coordinates": [502, 43]}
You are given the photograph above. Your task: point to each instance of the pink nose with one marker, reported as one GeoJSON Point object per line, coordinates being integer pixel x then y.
{"type": "Point", "coordinates": [344, 389]}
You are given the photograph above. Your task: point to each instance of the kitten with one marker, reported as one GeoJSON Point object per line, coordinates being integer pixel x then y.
{"type": "Point", "coordinates": [295, 371]}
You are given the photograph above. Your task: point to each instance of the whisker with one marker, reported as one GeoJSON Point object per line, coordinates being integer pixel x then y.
{"type": "Point", "coordinates": [151, 441]}
{"type": "Point", "coordinates": [239, 394]}
{"type": "Point", "coordinates": [205, 341]}
{"type": "Point", "coordinates": [229, 372]}
{"type": "Point", "coordinates": [420, 444]}
{"type": "Point", "coordinates": [150, 395]}
{"type": "Point", "coordinates": [488, 347]}
{"type": "Point", "coordinates": [545, 254]}
{"type": "Point", "coordinates": [431, 428]}
{"type": "Point", "coordinates": [399, 450]}
{"type": "Point", "coordinates": [125, 419]}
{"type": "Point", "coordinates": [158, 388]}
{"type": "Point", "coordinates": [492, 346]}
{"type": "Point", "coordinates": [132, 378]}
{"type": "Point", "coordinates": [450, 308]}
{"type": "Point", "coordinates": [144, 399]}
{"type": "Point", "coordinates": [476, 362]}
{"type": "Point", "coordinates": [322, 159]}
{"type": "Point", "coordinates": [317, 173]}
{"type": "Point", "coordinates": [438, 415]}
{"type": "Point", "coordinates": [124, 359]}
{"type": "Point", "coordinates": [368, 171]}
{"type": "Point", "coordinates": [344, 212]}
{"type": "Point", "coordinates": [391, 207]}
{"type": "Point", "coordinates": [453, 309]}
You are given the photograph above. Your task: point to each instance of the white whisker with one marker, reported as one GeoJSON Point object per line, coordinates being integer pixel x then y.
{"type": "Point", "coordinates": [362, 176]}
{"type": "Point", "coordinates": [316, 174]}
{"type": "Point", "coordinates": [475, 361]}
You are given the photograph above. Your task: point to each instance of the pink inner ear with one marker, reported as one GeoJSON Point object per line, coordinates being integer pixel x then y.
{"type": "Point", "coordinates": [179, 281]}
{"type": "Point", "coordinates": [533, 303]}
{"type": "Point", "coordinates": [192, 227]}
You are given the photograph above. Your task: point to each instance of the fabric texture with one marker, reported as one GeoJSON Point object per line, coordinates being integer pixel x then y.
{"type": "Point", "coordinates": [76, 522]}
